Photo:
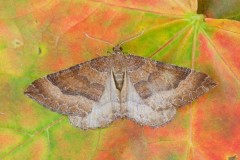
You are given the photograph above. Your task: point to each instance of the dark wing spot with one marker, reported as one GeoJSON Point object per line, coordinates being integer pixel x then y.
{"type": "Point", "coordinates": [168, 76]}
{"type": "Point", "coordinates": [143, 89]}
{"type": "Point", "coordinates": [74, 84]}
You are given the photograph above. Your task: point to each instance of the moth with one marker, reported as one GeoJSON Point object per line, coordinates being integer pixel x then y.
{"type": "Point", "coordinates": [95, 93]}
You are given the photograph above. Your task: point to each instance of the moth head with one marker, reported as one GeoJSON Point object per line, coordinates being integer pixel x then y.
{"type": "Point", "coordinates": [117, 49]}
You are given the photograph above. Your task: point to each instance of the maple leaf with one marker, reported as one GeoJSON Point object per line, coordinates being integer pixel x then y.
{"type": "Point", "coordinates": [41, 37]}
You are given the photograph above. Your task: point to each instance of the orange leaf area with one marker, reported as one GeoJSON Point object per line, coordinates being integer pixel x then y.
{"type": "Point", "coordinates": [38, 38]}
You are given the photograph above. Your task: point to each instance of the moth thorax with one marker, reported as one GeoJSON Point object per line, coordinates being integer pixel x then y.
{"type": "Point", "coordinates": [118, 78]}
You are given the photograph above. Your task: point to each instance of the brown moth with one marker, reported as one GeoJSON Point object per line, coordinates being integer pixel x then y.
{"type": "Point", "coordinates": [95, 93]}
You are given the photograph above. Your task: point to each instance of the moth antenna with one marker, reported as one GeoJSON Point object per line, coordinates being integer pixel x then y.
{"type": "Point", "coordinates": [131, 38]}
{"type": "Point", "coordinates": [98, 39]}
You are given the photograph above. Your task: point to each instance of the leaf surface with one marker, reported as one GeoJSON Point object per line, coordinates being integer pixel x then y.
{"type": "Point", "coordinates": [220, 9]}
{"type": "Point", "coordinates": [38, 38]}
